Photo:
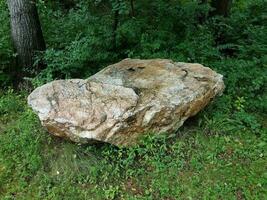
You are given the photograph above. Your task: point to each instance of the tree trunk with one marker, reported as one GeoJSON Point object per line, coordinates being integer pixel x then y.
{"type": "Point", "coordinates": [222, 7]}
{"type": "Point", "coordinates": [132, 8]}
{"type": "Point", "coordinates": [26, 32]}
{"type": "Point", "coordinates": [115, 27]}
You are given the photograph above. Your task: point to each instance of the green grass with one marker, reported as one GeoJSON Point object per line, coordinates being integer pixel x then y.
{"type": "Point", "coordinates": [211, 157]}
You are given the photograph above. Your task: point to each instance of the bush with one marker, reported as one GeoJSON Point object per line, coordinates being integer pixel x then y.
{"type": "Point", "coordinates": [6, 56]}
{"type": "Point", "coordinates": [20, 141]}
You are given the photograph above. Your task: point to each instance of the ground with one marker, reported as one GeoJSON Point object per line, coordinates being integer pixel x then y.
{"type": "Point", "coordinates": [206, 159]}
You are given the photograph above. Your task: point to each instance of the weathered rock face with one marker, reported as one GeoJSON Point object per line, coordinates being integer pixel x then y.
{"type": "Point", "coordinates": [125, 100]}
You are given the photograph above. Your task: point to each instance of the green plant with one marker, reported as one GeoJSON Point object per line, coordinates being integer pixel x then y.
{"type": "Point", "coordinates": [240, 103]}
{"type": "Point", "coordinates": [111, 192]}
{"type": "Point", "coordinates": [6, 56]}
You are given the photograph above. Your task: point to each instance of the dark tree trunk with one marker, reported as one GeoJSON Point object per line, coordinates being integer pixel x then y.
{"type": "Point", "coordinates": [132, 8]}
{"type": "Point", "coordinates": [26, 31]}
{"type": "Point", "coordinates": [221, 7]}
{"type": "Point", "coordinates": [115, 27]}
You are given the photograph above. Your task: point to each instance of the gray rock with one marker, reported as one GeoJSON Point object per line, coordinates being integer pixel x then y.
{"type": "Point", "coordinates": [126, 100]}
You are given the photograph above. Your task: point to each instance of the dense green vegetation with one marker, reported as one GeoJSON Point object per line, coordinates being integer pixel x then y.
{"type": "Point", "coordinates": [219, 154]}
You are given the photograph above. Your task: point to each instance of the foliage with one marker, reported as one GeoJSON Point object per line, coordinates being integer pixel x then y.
{"type": "Point", "coordinates": [5, 47]}
{"type": "Point", "coordinates": [19, 152]}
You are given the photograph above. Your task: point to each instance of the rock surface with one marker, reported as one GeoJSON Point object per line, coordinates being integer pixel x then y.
{"type": "Point", "coordinates": [125, 100]}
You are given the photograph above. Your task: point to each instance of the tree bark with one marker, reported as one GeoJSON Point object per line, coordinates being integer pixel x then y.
{"type": "Point", "coordinates": [115, 27]}
{"type": "Point", "coordinates": [222, 7]}
{"type": "Point", "coordinates": [132, 8]}
{"type": "Point", "coordinates": [26, 31]}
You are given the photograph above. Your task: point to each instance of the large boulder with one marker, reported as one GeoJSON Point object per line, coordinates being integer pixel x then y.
{"type": "Point", "coordinates": [124, 101]}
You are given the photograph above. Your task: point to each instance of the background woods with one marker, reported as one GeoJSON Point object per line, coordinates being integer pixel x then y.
{"type": "Point", "coordinates": [219, 154]}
